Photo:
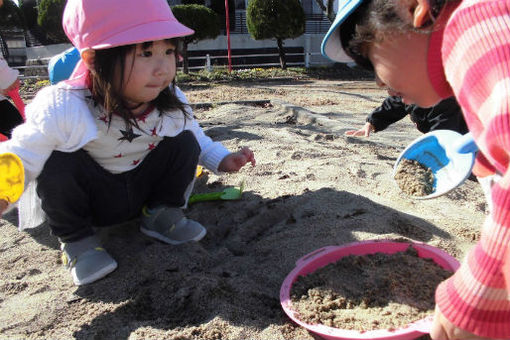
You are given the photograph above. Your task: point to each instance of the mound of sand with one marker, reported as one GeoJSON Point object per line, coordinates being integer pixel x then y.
{"type": "Point", "coordinates": [312, 187]}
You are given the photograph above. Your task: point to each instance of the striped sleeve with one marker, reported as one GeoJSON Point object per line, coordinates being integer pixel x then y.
{"type": "Point", "coordinates": [476, 57]}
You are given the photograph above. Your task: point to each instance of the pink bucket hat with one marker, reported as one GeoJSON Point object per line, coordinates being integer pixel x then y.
{"type": "Point", "coordinates": [100, 24]}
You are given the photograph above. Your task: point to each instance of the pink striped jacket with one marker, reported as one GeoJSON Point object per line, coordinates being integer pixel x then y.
{"type": "Point", "coordinates": [469, 56]}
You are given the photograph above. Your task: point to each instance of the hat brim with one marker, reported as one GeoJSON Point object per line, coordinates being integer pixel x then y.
{"type": "Point", "coordinates": [152, 31]}
{"type": "Point", "coordinates": [331, 46]}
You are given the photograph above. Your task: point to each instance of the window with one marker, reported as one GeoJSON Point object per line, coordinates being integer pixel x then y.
{"type": "Point", "coordinates": [240, 4]}
{"type": "Point", "coordinates": [311, 7]}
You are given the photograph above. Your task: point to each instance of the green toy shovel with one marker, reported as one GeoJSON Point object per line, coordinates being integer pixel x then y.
{"type": "Point", "coordinates": [228, 194]}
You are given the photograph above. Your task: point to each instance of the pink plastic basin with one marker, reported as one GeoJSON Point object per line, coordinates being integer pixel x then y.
{"type": "Point", "coordinates": [323, 256]}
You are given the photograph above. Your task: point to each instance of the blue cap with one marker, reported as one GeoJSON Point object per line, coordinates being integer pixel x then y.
{"type": "Point", "coordinates": [331, 45]}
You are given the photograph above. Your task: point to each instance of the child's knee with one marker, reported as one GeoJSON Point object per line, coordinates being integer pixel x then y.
{"type": "Point", "coordinates": [62, 169]}
{"type": "Point", "coordinates": [188, 142]}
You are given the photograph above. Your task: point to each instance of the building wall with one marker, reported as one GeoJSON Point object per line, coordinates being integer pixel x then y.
{"type": "Point", "coordinates": [310, 42]}
{"type": "Point", "coordinates": [15, 42]}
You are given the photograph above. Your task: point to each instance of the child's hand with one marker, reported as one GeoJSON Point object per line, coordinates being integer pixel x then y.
{"type": "Point", "coordinates": [236, 160]}
{"type": "Point", "coordinates": [442, 329]}
{"type": "Point", "coordinates": [3, 206]}
{"type": "Point", "coordinates": [364, 131]}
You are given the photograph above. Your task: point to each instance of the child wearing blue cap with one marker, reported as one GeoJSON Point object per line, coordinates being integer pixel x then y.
{"type": "Point", "coordinates": [61, 66]}
{"type": "Point", "coordinates": [424, 51]}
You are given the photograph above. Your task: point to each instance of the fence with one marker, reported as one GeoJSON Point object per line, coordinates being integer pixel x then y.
{"type": "Point", "coordinates": [38, 69]}
{"type": "Point", "coordinates": [39, 72]}
{"type": "Point", "coordinates": [314, 23]}
{"type": "Point", "coordinates": [208, 60]}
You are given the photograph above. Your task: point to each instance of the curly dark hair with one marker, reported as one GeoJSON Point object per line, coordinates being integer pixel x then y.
{"type": "Point", "coordinates": [374, 19]}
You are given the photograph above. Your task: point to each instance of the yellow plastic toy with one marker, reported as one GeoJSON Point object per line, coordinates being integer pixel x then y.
{"type": "Point", "coordinates": [199, 171]}
{"type": "Point", "coordinates": [12, 177]}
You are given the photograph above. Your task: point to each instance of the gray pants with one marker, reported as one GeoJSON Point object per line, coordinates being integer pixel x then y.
{"type": "Point", "coordinates": [77, 193]}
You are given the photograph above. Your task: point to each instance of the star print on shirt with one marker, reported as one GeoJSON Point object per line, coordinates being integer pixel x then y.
{"type": "Point", "coordinates": [151, 146]}
{"type": "Point", "coordinates": [104, 118]}
{"type": "Point", "coordinates": [128, 135]}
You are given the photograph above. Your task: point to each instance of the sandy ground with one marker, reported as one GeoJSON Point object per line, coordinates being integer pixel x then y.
{"type": "Point", "coordinates": [312, 187]}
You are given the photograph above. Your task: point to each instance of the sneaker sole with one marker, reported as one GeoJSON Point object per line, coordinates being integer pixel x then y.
{"type": "Point", "coordinates": [97, 275]}
{"type": "Point", "coordinates": [162, 238]}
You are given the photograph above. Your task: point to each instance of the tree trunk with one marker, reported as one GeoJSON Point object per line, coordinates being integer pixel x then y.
{"type": "Point", "coordinates": [281, 52]}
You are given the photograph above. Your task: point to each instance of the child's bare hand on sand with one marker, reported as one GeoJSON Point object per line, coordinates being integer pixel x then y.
{"type": "Point", "coordinates": [366, 130]}
{"type": "Point", "coordinates": [236, 160]}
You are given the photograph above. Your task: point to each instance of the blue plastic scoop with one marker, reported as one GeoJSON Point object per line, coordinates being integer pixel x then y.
{"type": "Point", "coordinates": [449, 155]}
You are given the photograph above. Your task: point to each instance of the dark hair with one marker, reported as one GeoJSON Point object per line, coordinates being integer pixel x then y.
{"type": "Point", "coordinates": [373, 19]}
{"type": "Point", "coordinates": [104, 92]}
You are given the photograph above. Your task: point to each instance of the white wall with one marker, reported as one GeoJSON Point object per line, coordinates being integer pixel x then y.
{"type": "Point", "coordinates": [45, 52]}
{"type": "Point", "coordinates": [310, 43]}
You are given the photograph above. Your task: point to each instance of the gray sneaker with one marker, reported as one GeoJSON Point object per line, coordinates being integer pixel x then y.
{"type": "Point", "coordinates": [171, 226]}
{"type": "Point", "coordinates": [87, 260]}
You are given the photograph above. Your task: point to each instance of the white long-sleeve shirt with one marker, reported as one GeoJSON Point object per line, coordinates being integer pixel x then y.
{"type": "Point", "coordinates": [60, 118]}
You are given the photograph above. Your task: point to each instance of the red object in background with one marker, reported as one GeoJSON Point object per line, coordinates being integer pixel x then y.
{"type": "Point", "coordinates": [3, 138]}
{"type": "Point", "coordinates": [14, 95]}
{"type": "Point", "coordinates": [227, 25]}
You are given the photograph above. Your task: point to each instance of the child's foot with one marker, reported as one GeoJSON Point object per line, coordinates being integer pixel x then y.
{"type": "Point", "coordinates": [87, 261]}
{"type": "Point", "coordinates": [170, 226]}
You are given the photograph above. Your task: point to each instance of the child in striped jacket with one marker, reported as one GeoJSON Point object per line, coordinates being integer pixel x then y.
{"type": "Point", "coordinates": [425, 51]}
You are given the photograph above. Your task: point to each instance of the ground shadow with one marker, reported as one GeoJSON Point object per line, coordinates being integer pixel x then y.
{"type": "Point", "coordinates": [41, 234]}
{"type": "Point", "coordinates": [235, 273]}
{"type": "Point", "coordinates": [222, 133]}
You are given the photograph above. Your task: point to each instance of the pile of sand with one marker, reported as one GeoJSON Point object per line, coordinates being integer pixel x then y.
{"type": "Point", "coordinates": [312, 187]}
